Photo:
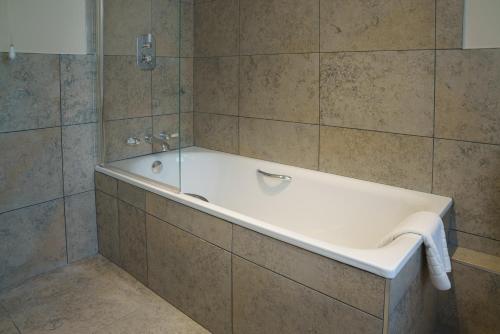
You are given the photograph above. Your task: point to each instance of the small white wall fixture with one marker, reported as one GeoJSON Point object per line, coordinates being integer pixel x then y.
{"type": "Point", "coordinates": [481, 24]}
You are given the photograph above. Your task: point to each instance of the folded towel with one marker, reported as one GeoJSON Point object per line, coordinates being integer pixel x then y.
{"type": "Point", "coordinates": [430, 226]}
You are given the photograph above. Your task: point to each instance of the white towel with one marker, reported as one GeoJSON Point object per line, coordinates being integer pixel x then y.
{"type": "Point", "coordinates": [430, 226]}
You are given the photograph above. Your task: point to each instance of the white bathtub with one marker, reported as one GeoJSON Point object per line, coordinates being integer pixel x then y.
{"type": "Point", "coordinates": [338, 217]}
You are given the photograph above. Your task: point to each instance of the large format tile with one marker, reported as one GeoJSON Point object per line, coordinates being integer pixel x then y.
{"type": "Point", "coordinates": [78, 91]}
{"type": "Point", "coordinates": [267, 84]}
{"type": "Point", "coordinates": [279, 26]}
{"type": "Point", "coordinates": [216, 28]}
{"type": "Point", "coordinates": [32, 241]}
{"type": "Point", "coordinates": [398, 160]}
{"type": "Point", "coordinates": [132, 195]}
{"type": "Point", "coordinates": [169, 124]}
{"type": "Point", "coordinates": [107, 226]}
{"type": "Point", "coordinates": [216, 85]}
{"type": "Point", "coordinates": [29, 92]}
{"type": "Point", "coordinates": [469, 173]}
{"type": "Point", "coordinates": [116, 134]}
{"type": "Point", "coordinates": [7, 325]}
{"type": "Point", "coordinates": [350, 285]}
{"type": "Point", "coordinates": [385, 91]}
{"type": "Point", "coordinates": [474, 242]}
{"type": "Point", "coordinates": [81, 226]}
{"type": "Point", "coordinates": [106, 184]}
{"type": "Point", "coordinates": [358, 25]}
{"type": "Point", "coordinates": [449, 19]}
{"type": "Point", "coordinates": [31, 168]}
{"type": "Point", "coordinates": [127, 89]}
{"type": "Point", "coordinates": [293, 144]}
{"type": "Point", "coordinates": [216, 132]}
{"type": "Point", "coordinates": [265, 302]}
{"type": "Point", "coordinates": [467, 99]}
{"type": "Point", "coordinates": [79, 157]}
{"type": "Point", "coordinates": [190, 273]}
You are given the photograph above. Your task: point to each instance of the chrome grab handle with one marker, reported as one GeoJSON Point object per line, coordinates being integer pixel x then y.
{"type": "Point", "coordinates": [275, 176]}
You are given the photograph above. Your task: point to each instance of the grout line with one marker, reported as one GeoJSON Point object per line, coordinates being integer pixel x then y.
{"type": "Point", "coordinates": [319, 85]}
{"type": "Point", "coordinates": [434, 98]}
{"type": "Point", "coordinates": [473, 234]}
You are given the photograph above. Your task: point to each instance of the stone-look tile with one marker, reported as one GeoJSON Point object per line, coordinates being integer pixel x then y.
{"type": "Point", "coordinates": [265, 302]}
{"type": "Point", "coordinates": [170, 125]}
{"type": "Point", "coordinates": [398, 160]}
{"type": "Point", "coordinates": [106, 184]}
{"type": "Point", "coordinates": [293, 144]}
{"type": "Point", "coordinates": [279, 26]}
{"type": "Point", "coordinates": [124, 20]}
{"type": "Point", "coordinates": [127, 89]}
{"type": "Point", "coordinates": [386, 91]}
{"type": "Point", "coordinates": [7, 325]}
{"type": "Point", "coordinates": [467, 99]}
{"type": "Point", "coordinates": [216, 85]}
{"type": "Point", "coordinates": [469, 173]}
{"type": "Point", "coordinates": [117, 132]}
{"type": "Point", "coordinates": [78, 75]}
{"type": "Point", "coordinates": [267, 84]}
{"type": "Point", "coordinates": [350, 285]}
{"type": "Point", "coordinates": [474, 242]}
{"type": "Point", "coordinates": [192, 274]}
{"type": "Point", "coordinates": [133, 257]}
{"type": "Point", "coordinates": [478, 260]}
{"type": "Point", "coordinates": [31, 168]}
{"type": "Point", "coordinates": [399, 286]}
{"type": "Point", "coordinates": [132, 195]}
{"type": "Point", "coordinates": [29, 92]}
{"type": "Point", "coordinates": [107, 226]}
{"type": "Point", "coordinates": [168, 93]}
{"type": "Point", "coordinates": [79, 157]}
{"type": "Point", "coordinates": [377, 25]}
{"type": "Point", "coordinates": [205, 226]}
{"type": "Point", "coordinates": [216, 132]}
{"type": "Point", "coordinates": [81, 227]}
{"type": "Point", "coordinates": [449, 19]}
{"type": "Point", "coordinates": [216, 28]}
{"type": "Point", "coordinates": [472, 305]}
{"type": "Point", "coordinates": [32, 241]}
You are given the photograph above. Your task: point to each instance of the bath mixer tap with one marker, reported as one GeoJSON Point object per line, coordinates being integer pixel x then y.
{"type": "Point", "coordinates": [162, 139]}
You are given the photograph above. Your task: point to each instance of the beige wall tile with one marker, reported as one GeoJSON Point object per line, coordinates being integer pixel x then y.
{"type": "Point", "coordinates": [377, 25]}
{"type": "Point", "coordinates": [107, 226]}
{"type": "Point", "coordinates": [474, 242]}
{"type": "Point", "coordinates": [279, 26]}
{"type": "Point", "coordinates": [216, 132]}
{"type": "Point", "coordinates": [467, 99]}
{"type": "Point", "coordinates": [398, 160]}
{"type": "Point", "coordinates": [106, 183]}
{"type": "Point", "coordinates": [470, 174]}
{"type": "Point", "coordinates": [170, 125]}
{"type": "Point", "coordinates": [449, 18]}
{"type": "Point", "coordinates": [117, 132]}
{"type": "Point", "coordinates": [267, 84]}
{"type": "Point", "coordinates": [132, 195]}
{"type": "Point", "coordinates": [385, 91]}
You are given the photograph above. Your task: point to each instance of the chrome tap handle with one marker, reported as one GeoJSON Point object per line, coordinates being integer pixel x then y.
{"type": "Point", "coordinates": [275, 176]}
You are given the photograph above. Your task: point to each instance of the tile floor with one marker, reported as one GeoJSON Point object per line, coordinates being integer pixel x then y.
{"type": "Point", "coordinates": [91, 296]}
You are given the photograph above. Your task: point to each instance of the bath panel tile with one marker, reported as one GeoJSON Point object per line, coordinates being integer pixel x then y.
{"type": "Point", "coordinates": [124, 20]}
{"type": "Point", "coordinates": [29, 92]}
{"type": "Point", "coordinates": [377, 25]}
{"type": "Point", "coordinates": [216, 85]}
{"type": "Point", "coordinates": [170, 125]}
{"type": "Point", "coordinates": [133, 257]}
{"type": "Point", "coordinates": [78, 75]}
{"type": "Point", "coordinates": [81, 226]}
{"type": "Point", "coordinates": [107, 226]}
{"type": "Point", "coordinates": [468, 172]}
{"type": "Point", "coordinates": [265, 302]}
{"type": "Point", "coordinates": [350, 285]}
{"type": "Point", "coordinates": [33, 241]}
{"type": "Point", "coordinates": [449, 18]}
{"type": "Point", "coordinates": [31, 168]}
{"type": "Point", "coordinates": [474, 242]}
{"type": "Point", "coordinates": [477, 260]}
{"type": "Point", "coordinates": [7, 325]}
{"type": "Point", "coordinates": [205, 226]}
{"type": "Point", "coordinates": [193, 275]}
{"type": "Point", "coordinates": [293, 144]}
{"type": "Point", "coordinates": [216, 132]}
{"type": "Point", "coordinates": [106, 184]}
{"type": "Point", "coordinates": [127, 89]}
{"type": "Point", "coordinates": [267, 84]}
{"type": "Point", "coordinates": [216, 28]}
{"type": "Point", "coordinates": [467, 99]}
{"type": "Point", "coordinates": [117, 132]}
{"type": "Point", "coordinates": [279, 26]}
{"type": "Point", "coordinates": [384, 91]}
{"type": "Point", "coordinates": [398, 160]}
{"type": "Point", "coordinates": [79, 156]}
{"type": "Point", "coordinates": [132, 195]}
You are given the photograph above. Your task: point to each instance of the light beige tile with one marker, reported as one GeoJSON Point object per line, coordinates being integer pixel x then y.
{"type": "Point", "coordinates": [449, 18]}
{"type": "Point", "coordinates": [469, 173]}
{"type": "Point", "coordinates": [169, 124]}
{"type": "Point", "coordinates": [377, 25]}
{"type": "Point", "coordinates": [107, 226]}
{"type": "Point", "coordinates": [216, 132]}
{"type": "Point", "coordinates": [385, 91]}
{"type": "Point", "coordinates": [106, 183]}
{"type": "Point", "coordinates": [280, 87]}
{"type": "Point", "coordinates": [398, 160]}
{"type": "Point", "coordinates": [477, 260]}
{"type": "Point", "coordinates": [474, 242]}
{"type": "Point", "coordinates": [117, 132]}
{"type": "Point", "coordinates": [132, 195]}
{"type": "Point", "coordinates": [279, 26]}
{"type": "Point", "coordinates": [467, 99]}
{"type": "Point", "coordinates": [293, 144]}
